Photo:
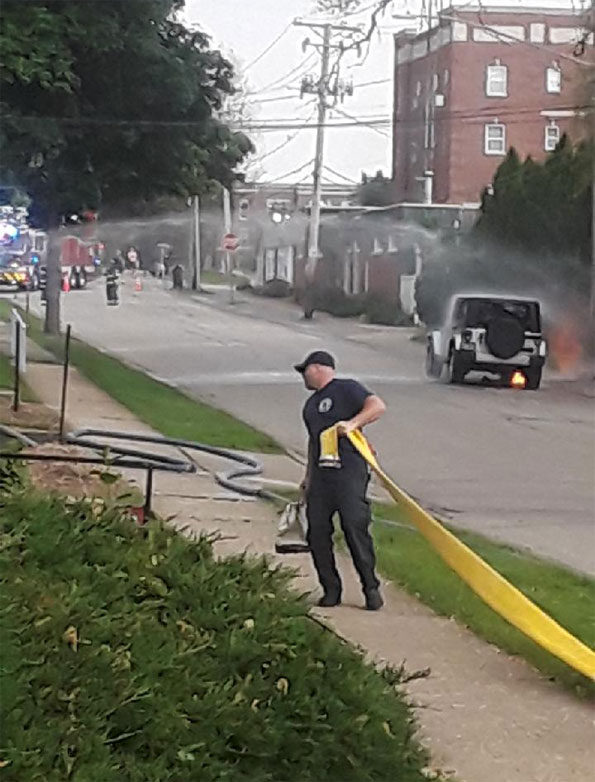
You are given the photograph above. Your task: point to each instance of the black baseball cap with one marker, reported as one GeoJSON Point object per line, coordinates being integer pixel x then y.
{"type": "Point", "coordinates": [317, 357]}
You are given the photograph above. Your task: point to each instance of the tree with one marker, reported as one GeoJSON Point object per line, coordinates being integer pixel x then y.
{"type": "Point", "coordinates": [338, 7]}
{"type": "Point", "coordinates": [108, 102]}
{"type": "Point", "coordinates": [376, 191]}
{"type": "Point", "coordinates": [542, 208]}
{"type": "Point", "coordinates": [532, 236]}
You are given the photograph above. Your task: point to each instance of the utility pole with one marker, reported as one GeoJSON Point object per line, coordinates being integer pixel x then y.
{"type": "Point", "coordinates": [53, 283]}
{"type": "Point", "coordinates": [592, 96]}
{"type": "Point", "coordinates": [322, 88]}
{"type": "Point", "coordinates": [227, 227]}
{"type": "Point", "coordinates": [592, 298]}
{"type": "Point", "coordinates": [196, 243]}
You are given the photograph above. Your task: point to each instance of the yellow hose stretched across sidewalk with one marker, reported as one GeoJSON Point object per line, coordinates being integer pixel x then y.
{"type": "Point", "coordinates": [493, 588]}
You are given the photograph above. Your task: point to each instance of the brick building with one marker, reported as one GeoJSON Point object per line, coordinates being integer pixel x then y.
{"type": "Point", "coordinates": [478, 82]}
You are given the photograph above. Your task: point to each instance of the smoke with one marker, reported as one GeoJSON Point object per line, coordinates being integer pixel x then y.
{"type": "Point", "coordinates": [559, 283]}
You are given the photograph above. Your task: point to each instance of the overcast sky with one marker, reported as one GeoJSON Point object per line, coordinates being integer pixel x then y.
{"type": "Point", "coordinates": [243, 29]}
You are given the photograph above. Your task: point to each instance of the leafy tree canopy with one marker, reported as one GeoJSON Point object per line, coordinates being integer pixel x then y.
{"type": "Point", "coordinates": [111, 102]}
{"type": "Point", "coordinates": [542, 208]}
{"type": "Point", "coordinates": [376, 191]}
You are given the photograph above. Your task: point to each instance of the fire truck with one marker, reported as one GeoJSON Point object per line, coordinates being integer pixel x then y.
{"type": "Point", "coordinates": [79, 259]}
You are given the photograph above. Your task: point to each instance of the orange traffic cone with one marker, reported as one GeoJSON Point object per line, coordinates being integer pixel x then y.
{"type": "Point", "coordinates": [138, 284]}
{"type": "Point", "coordinates": [65, 283]}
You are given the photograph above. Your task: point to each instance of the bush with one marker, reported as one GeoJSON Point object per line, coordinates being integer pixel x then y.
{"type": "Point", "coordinates": [336, 302]}
{"type": "Point", "coordinates": [241, 282]}
{"type": "Point", "coordinates": [276, 289]}
{"type": "Point", "coordinates": [385, 311]}
{"type": "Point", "coordinates": [132, 654]}
{"type": "Point", "coordinates": [376, 308]}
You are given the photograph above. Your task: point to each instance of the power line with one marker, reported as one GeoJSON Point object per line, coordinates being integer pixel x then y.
{"type": "Point", "coordinates": [340, 175]}
{"type": "Point", "coordinates": [289, 173]}
{"type": "Point", "coordinates": [287, 141]}
{"type": "Point", "coordinates": [268, 48]}
{"type": "Point", "coordinates": [302, 67]}
{"type": "Point", "coordinates": [274, 124]}
{"type": "Point", "coordinates": [371, 123]}
{"type": "Point", "coordinates": [373, 83]}
{"type": "Point", "coordinates": [278, 100]}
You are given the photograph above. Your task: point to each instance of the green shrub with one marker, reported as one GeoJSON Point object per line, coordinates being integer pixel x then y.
{"type": "Point", "coordinates": [336, 302]}
{"type": "Point", "coordinates": [385, 311]}
{"type": "Point", "coordinates": [132, 654]}
{"type": "Point", "coordinates": [276, 289]}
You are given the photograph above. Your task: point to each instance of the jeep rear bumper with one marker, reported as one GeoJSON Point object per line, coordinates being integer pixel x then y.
{"type": "Point", "coordinates": [470, 362]}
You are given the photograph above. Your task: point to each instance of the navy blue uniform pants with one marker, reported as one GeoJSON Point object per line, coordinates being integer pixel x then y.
{"type": "Point", "coordinates": [342, 492]}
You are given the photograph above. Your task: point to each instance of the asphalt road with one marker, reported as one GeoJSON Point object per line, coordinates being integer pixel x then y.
{"type": "Point", "coordinates": [518, 466]}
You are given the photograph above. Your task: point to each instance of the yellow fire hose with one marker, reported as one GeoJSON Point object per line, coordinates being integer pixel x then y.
{"type": "Point", "coordinates": [493, 588]}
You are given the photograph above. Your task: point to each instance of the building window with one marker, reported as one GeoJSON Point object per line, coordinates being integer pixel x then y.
{"type": "Point", "coordinates": [446, 77]}
{"type": "Point", "coordinates": [377, 248]}
{"type": "Point", "coordinates": [418, 89]}
{"type": "Point", "coordinates": [537, 32]}
{"type": "Point", "coordinates": [435, 81]}
{"type": "Point", "coordinates": [552, 137]}
{"type": "Point", "coordinates": [497, 81]}
{"type": "Point", "coordinates": [553, 79]}
{"type": "Point", "coordinates": [495, 139]}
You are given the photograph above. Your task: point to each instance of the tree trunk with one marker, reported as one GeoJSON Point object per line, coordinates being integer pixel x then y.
{"type": "Point", "coordinates": [54, 285]}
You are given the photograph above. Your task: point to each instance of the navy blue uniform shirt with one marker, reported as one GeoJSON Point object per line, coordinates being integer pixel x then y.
{"type": "Point", "coordinates": [340, 400]}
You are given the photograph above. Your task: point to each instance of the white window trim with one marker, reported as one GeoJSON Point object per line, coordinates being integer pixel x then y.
{"type": "Point", "coordinates": [547, 141]}
{"type": "Point", "coordinates": [548, 70]}
{"type": "Point", "coordinates": [490, 91]}
{"type": "Point", "coordinates": [377, 248]}
{"type": "Point", "coordinates": [486, 139]}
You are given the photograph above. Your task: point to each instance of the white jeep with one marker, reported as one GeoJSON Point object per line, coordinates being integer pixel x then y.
{"type": "Point", "coordinates": [491, 334]}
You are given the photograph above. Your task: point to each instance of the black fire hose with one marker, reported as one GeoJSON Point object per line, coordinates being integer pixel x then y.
{"type": "Point", "coordinates": [248, 467]}
{"type": "Point", "coordinates": [140, 459]}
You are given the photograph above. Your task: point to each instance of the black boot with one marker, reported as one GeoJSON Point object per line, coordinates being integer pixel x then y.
{"type": "Point", "coordinates": [374, 601]}
{"type": "Point", "coordinates": [329, 601]}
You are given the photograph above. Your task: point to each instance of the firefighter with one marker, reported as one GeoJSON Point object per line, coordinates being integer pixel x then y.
{"type": "Point", "coordinates": [112, 285]}
{"type": "Point", "coordinates": [340, 488]}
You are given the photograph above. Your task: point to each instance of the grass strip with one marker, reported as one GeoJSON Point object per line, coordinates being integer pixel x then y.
{"type": "Point", "coordinates": [162, 407]}
{"type": "Point", "coordinates": [140, 656]}
{"type": "Point", "coordinates": [406, 559]}
{"type": "Point", "coordinates": [7, 379]}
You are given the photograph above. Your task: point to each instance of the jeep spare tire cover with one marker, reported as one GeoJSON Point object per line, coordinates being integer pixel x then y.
{"type": "Point", "coordinates": [505, 337]}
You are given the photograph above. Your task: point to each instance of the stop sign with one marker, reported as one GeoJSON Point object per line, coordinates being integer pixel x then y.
{"type": "Point", "coordinates": [230, 242]}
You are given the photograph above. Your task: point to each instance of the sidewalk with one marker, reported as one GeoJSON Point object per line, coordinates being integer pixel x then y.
{"type": "Point", "coordinates": [482, 714]}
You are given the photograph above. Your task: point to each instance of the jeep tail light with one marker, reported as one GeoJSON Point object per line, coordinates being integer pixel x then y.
{"type": "Point", "coordinates": [518, 380]}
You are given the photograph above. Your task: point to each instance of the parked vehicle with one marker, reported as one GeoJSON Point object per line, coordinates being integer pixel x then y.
{"type": "Point", "coordinates": [489, 334]}
{"type": "Point", "coordinates": [79, 260]}
{"type": "Point", "coordinates": [18, 271]}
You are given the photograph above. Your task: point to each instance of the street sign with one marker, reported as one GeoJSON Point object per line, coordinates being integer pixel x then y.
{"type": "Point", "coordinates": [230, 243]}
